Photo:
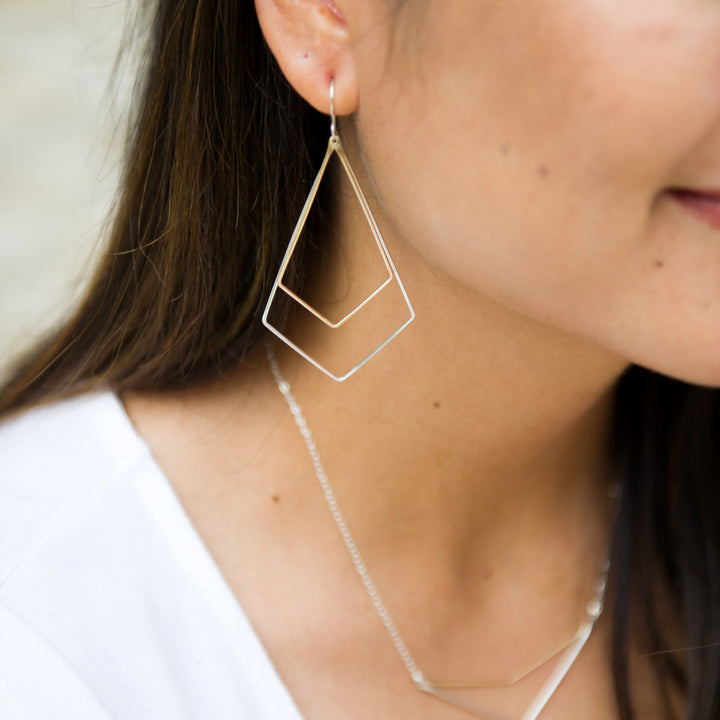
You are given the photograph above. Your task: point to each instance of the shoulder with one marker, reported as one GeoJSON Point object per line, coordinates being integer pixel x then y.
{"type": "Point", "coordinates": [63, 445]}
{"type": "Point", "coordinates": [52, 459]}
{"type": "Point", "coordinates": [37, 681]}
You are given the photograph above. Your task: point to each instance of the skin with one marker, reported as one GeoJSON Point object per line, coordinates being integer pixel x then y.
{"type": "Point", "coordinates": [548, 137]}
{"type": "Point", "coordinates": [518, 158]}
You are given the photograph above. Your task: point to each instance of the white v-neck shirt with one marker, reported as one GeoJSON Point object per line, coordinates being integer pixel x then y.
{"type": "Point", "coordinates": [111, 605]}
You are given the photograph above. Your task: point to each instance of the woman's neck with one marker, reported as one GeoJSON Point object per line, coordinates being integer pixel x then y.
{"type": "Point", "coordinates": [473, 418]}
{"type": "Point", "coordinates": [469, 459]}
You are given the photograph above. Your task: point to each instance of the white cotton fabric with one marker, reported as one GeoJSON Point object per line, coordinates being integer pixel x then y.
{"type": "Point", "coordinates": [111, 606]}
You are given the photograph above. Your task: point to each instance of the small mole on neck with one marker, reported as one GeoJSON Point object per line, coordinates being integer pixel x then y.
{"type": "Point", "coordinates": [505, 148]}
{"type": "Point", "coordinates": [275, 498]}
{"type": "Point", "coordinates": [659, 263]}
{"type": "Point", "coordinates": [436, 404]}
{"type": "Point", "coordinates": [542, 170]}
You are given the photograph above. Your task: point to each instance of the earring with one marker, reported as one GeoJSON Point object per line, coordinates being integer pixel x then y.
{"type": "Point", "coordinates": [335, 146]}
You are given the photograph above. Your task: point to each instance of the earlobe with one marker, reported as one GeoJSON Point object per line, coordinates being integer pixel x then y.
{"type": "Point", "coordinates": [311, 43]}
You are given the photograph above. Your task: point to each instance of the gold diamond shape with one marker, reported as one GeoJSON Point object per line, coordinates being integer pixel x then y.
{"type": "Point", "coordinates": [335, 146]}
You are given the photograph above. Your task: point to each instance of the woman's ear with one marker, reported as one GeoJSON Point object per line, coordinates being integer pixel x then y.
{"type": "Point", "coordinates": [311, 43]}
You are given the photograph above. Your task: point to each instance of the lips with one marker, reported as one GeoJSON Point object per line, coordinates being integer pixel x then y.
{"type": "Point", "coordinates": [704, 204]}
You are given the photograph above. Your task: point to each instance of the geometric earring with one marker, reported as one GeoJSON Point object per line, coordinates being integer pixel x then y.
{"type": "Point", "coordinates": [335, 147]}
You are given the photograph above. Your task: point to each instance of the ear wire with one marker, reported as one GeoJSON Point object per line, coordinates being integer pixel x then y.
{"type": "Point", "coordinates": [333, 129]}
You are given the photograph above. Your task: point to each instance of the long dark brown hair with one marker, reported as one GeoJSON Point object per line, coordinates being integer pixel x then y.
{"type": "Point", "coordinates": [219, 160]}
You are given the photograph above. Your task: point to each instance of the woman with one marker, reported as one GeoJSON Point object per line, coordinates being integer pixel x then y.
{"type": "Point", "coordinates": [546, 177]}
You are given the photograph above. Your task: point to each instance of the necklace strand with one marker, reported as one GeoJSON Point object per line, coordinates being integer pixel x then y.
{"type": "Point", "coordinates": [358, 562]}
{"type": "Point", "coordinates": [593, 609]}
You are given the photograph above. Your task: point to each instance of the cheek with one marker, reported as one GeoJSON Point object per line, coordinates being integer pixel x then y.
{"type": "Point", "coordinates": [511, 125]}
{"type": "Point", "coordinates": [527, 158]}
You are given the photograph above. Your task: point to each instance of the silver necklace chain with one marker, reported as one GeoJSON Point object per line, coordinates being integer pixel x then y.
{"type": "Point", "coordinates": [594, 607]}
{"type": "Point", "coordinates": [358, 562]}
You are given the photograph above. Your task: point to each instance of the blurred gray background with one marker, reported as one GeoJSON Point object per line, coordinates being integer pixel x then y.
{"type": "Point", "coordinates": [62, 126]}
